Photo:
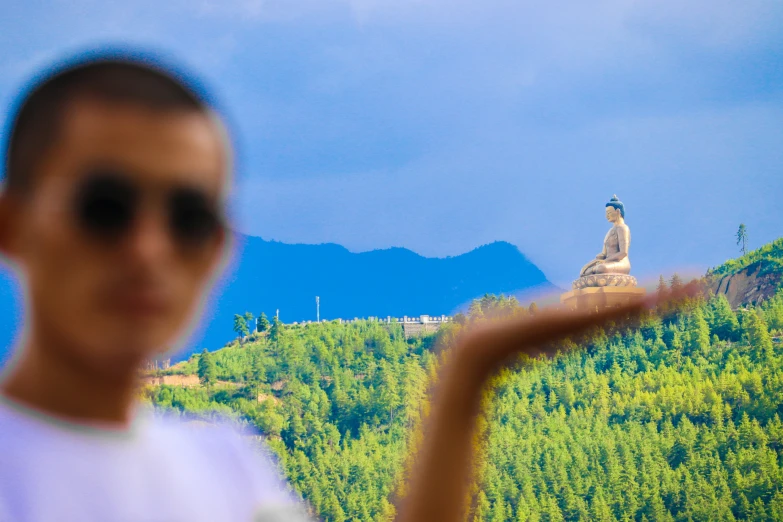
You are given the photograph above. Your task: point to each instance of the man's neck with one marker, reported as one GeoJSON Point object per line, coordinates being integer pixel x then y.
{"type": "Point", "coordinates": [61, 387]}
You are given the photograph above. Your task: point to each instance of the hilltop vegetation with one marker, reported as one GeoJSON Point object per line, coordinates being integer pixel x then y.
{"type": "Point", "coordinates": [770, 255]}
{"type": "Point", "coordinates": [677, 419]}
{"type": "Point", "coordinates": [337, 403]}
{"type": "Point", "coordinates": [752, 278]}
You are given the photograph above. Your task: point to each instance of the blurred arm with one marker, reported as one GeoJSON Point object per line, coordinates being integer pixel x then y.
{"type": "Point", "coordinates": [443, 466]}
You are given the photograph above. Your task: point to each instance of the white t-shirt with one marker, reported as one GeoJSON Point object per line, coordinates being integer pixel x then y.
{"type": "Point", "coordinates": [159, 470]}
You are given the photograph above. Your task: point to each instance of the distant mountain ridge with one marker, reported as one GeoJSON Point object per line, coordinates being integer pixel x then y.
{"type": "Point", "coordinates": [265, 276]}
{"type": "Point", "coordinates": [269, 275]}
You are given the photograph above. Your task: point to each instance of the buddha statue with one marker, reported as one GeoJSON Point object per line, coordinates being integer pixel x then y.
{"type": "Point", "coordinates": [612, 266]}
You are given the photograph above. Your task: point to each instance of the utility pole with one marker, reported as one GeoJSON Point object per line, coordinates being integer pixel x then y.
{"type": "Point", "coordinates": [317, 309]}
{"type": "Point", "coordinates": [277, 314]}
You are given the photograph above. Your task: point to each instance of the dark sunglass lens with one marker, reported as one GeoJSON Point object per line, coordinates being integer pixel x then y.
{"type": "Point", "coordinates": [106, 205]}
{"type": "Point", "coordinates": [193, 219]}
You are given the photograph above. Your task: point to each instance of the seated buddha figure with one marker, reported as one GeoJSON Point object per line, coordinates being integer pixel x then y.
{"type": "Point", "coordinates": [613, 259]}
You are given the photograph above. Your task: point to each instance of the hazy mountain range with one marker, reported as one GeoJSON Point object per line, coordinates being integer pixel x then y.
{"type": "Point", "coordinates": [266, 276]}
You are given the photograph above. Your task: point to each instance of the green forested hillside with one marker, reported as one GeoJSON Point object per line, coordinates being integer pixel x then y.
{"type": "Point", "coordinates": [337, 403]}
{"type": "Point", "coordinates": [678, 419]}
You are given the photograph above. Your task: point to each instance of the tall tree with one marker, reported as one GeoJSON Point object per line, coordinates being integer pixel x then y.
{"type": "Point", "coordinates": [723, 321]}
{"type": "Point", "coordinates": [662, 292]}
{"type": "Point", "coordinates": [663, 289]}
{"type": "Point", "coordinates": [742, 238]}
{"type": "Point", "coordinates": [257, 371]}
{"type": "Point", "coordinates": [756, 331]}
{"type": "Point", "coordinates": [698, 334]}
{"type": "Point", "coordinates": [207, 373]}
{"type": "Point", "coordinates": [474, 311]}
{"type": "Point", "coordinates": [773, 312]}
{"type": "Point", "coordinates": [249, 318]}
{"type": "Point", "coordinates": [275, 329]}
{"type": "Point", "coordinates": [263, 323]}
{"type": "Point", "coordinates": [240, 327]}
{"type": "Point", "coordinates": [676, 283]}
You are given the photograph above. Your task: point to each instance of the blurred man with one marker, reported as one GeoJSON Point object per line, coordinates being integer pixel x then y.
{"type": "Point", "coordinates": [113, 213]}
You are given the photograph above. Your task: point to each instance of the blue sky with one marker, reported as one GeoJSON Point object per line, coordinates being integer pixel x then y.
{"type": "Point", "coordinates": [442, 125]}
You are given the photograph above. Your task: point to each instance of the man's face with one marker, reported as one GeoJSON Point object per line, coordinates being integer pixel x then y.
{"type": "Point", "coordinates": [111, 304]}
{"type": "Point", "coordinates": [611, 214]}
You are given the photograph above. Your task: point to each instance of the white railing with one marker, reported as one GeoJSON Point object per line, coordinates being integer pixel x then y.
{"type": "Point", "coordinates": [421, 319]}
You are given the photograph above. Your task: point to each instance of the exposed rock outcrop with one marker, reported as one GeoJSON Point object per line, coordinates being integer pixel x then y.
{"type": "Point", "coordinates": [748, 285]}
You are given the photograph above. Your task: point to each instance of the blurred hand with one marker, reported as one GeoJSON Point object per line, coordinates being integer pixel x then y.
{"type": "Point", "coordinates": [487, 345]}
{"type": "Point", "coordinates": [442, 473]}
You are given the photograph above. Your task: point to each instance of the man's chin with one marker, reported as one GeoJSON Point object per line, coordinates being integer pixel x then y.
{"type": "Point", "coordinates": [129, 349]}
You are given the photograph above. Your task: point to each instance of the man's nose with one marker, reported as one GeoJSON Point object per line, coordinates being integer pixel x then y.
{"type": "Point", "coordinates": [150, 240]}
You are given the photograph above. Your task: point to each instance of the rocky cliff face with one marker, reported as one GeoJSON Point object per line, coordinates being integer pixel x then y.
{"type": "Point", "coordinates": [748, 285]}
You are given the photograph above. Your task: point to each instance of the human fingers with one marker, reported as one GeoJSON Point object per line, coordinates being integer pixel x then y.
{"type": "Point", "coordinates": [496, 342]}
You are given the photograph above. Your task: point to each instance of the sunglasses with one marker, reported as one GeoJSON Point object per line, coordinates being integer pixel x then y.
{"type": "Point", "coordinates": [107, 205]}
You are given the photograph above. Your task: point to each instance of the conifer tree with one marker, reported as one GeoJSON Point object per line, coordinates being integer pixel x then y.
{"type": "Point", "coordinates": [698, 333]}
{"type": "Point", "coordinates": [723, 321]}
{"type": "Point", "coordinates": [773, 312]}
{"type": "Point", "coordinates": [249, 319]}
{"type": "Point", "coordinates": [275, 330]}
{"type": "Point", "coordinates": [755, 329]}
{"type": "Point", "coordinates": [263, 323]}
{"type": "Point", "coordinates": [675, 284]}
{"type": "Point", "coordinates": [206, 369]}
{"type": "Point", "coordinates": [483, 508]}
{"type": "Point", "coordinates": [662, 290]}
{"type": "Point", "coordinates": [240, 327]}
{"type": "Point", "coordinates": [776, 506]}
{"type": "Point", "coordinates": [742, 238]}
{"type": "Point", "coordinates": [475, 312]}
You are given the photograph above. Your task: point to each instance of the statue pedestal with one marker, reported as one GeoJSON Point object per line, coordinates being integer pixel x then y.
{"type": "Point", "coordinates": [596, 298]}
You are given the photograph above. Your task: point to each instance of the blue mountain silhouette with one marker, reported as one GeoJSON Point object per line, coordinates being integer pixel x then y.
{"type": "Point", "coordinates": [265, 276]}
